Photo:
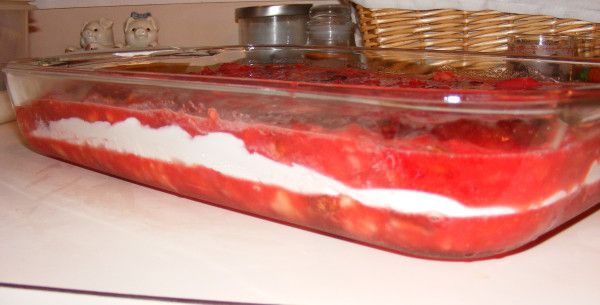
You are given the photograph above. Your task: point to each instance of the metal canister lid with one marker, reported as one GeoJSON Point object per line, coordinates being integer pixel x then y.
{"type": "Point", "coordinates": [272, 10]}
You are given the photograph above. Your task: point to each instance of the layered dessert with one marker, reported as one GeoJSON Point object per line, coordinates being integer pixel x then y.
{"type": "Point", "coordinates": [429, 183]}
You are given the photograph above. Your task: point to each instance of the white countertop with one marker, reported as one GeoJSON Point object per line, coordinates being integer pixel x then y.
{"type": "Point", "coordinates": [67, 227]}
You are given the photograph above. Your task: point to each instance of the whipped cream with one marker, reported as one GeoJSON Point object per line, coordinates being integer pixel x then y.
{"type": "Point", "coordinates": [227, 154]}
{"type": "Point", "coordinates": [593, 174]}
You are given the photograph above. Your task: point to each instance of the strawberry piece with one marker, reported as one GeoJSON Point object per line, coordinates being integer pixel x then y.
{"type": "Point", "coordinates": [391, 128]}
{"type": "Point", "coordinates": [594, 75]}
{"type": "Point", "coordinates": [207, 71]}
{"type": "Point", "coordinates": [415, 83]}
{"type": "Point", "coordinates": [369, 82]}
{"type": "Point", "coordinates": [503, 135]}
{"type": "Point", "coordinates": [520, 83]}
{"type": "Point", "coordinates": [444, 76]}
{"type": "Point", "coordinates": [235, 69]}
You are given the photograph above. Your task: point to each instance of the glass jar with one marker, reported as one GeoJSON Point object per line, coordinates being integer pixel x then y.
{"type": "Point", "coordinates": [330, 25]}
{"type": "Point", "coordinates": [273, 25]}
{"type": "Point", "coordinates": [543, 45]}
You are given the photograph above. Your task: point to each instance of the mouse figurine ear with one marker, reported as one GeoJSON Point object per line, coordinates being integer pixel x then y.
{"type": "Point", "coordinates": [128, 22]}
{"type": "Point", "coordinates": [106, 23]}
{"type": "Point", "coordinates": [152, 22]}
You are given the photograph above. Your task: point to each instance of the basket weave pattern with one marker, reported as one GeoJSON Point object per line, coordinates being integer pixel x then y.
{"type": "Point", "coordinates": [457, 30]}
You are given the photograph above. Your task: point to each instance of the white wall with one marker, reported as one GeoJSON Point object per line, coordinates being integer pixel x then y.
{"type": "Point", "coordinates": [196, 24]}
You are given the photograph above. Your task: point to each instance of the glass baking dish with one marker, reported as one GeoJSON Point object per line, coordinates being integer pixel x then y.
{"type": "Point", "coordinates": [434, 154]}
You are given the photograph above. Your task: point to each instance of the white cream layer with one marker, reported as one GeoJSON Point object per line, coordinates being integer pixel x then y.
{"type": "Point", "coordinates": [225, 153]}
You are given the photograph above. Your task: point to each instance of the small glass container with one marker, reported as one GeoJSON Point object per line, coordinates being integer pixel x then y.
{"type": "Point", "coordinates": [544, 45]}
{"type": "Point", "coordinates": [273, 25]}
{"type": "Point", "coordinates": [330, 25]}
{"type": "Point", "coordinates": [588, 46]}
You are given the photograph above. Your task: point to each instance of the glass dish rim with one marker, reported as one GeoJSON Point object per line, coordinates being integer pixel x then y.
{"type": "Point", "coordinates": [80, 66]}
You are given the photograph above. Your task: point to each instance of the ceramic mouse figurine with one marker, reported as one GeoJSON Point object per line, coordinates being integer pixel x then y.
{"type": "Point", "coordinates": [141, 31]}
{"type": "Point", "coordinates": [97, 35]}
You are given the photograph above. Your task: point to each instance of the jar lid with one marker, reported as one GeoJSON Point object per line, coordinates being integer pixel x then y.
{"type": "Point", "coordinates": [330, 10]}
{"type": "Point", "coordinates": [272, 10]}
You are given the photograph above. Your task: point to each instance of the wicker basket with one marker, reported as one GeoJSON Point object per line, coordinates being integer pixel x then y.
{"type": "Point", "coordinates": [457, 30]}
